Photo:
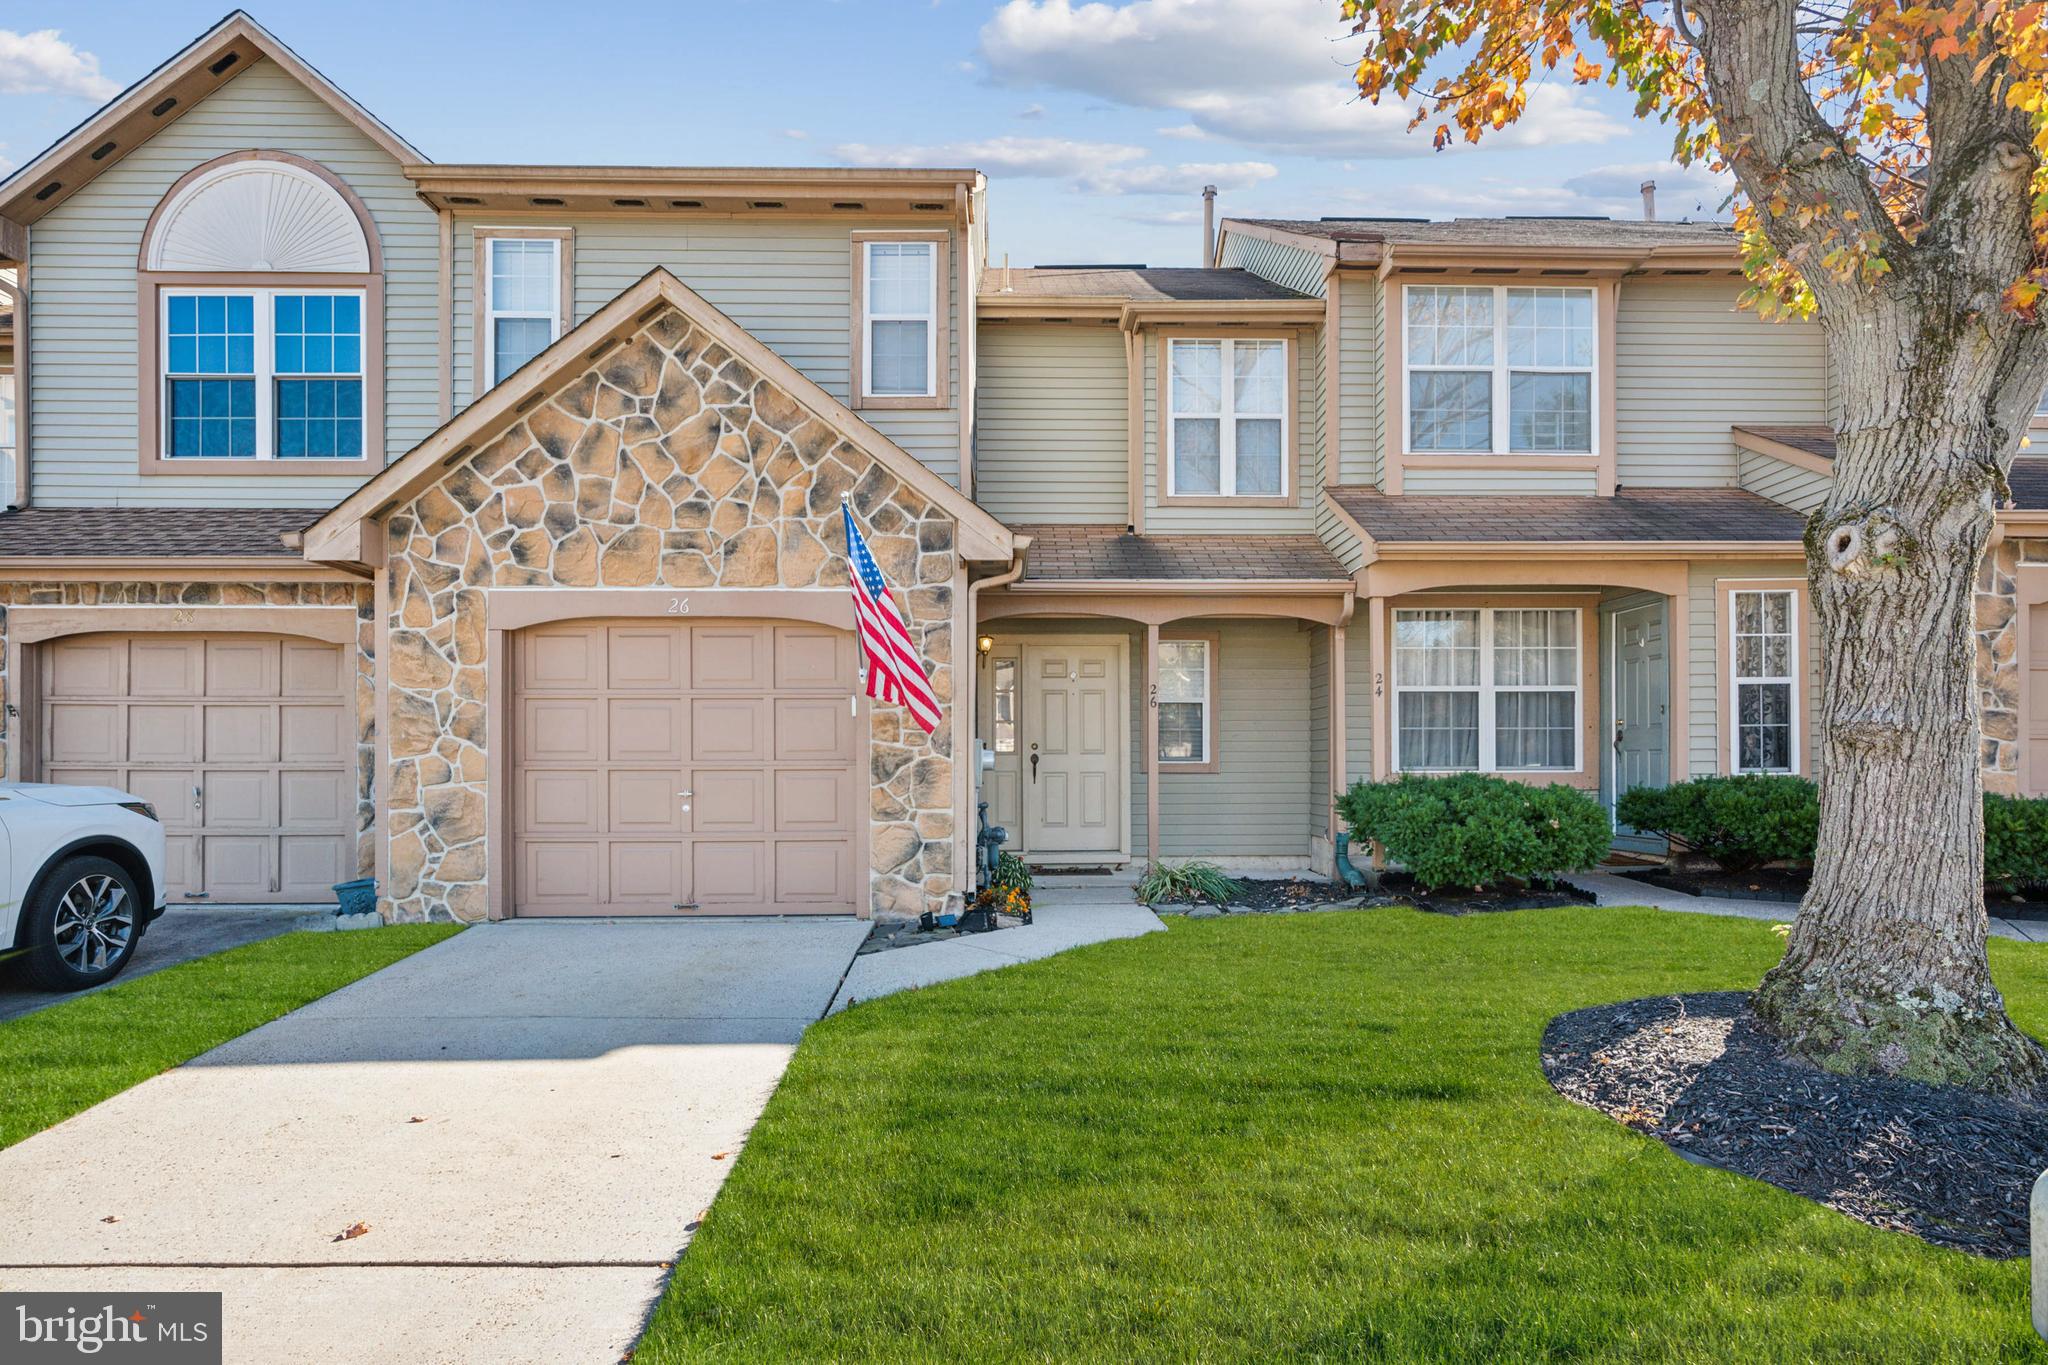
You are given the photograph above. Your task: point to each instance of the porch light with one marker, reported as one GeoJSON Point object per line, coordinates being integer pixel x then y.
{"type": "Point", "coordinates": [985, 643]}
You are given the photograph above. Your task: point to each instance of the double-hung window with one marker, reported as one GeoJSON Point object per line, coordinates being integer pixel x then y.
{"type": "Point", "coordinates": [1487, 690]}
{"type": "Point", "coordinates": [899, 319]}
{"type": "Point", "coordinates": [1186, 688]}
{"type": "Point", "coordinates": [1226, 417]}
{"type": "Point", "coordinates": [523, 303]}
{"type": "Point", "coordinates": [2041, 410]}
{"type": "Point", "coordinates": [1765, 700]}
{"type": "Point", "coordinates": [1499, 369]}
{"type": "Point", "coordinates": [262, 374]}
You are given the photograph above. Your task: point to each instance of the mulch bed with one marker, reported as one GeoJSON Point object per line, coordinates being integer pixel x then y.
{"type": "Point", "coordinates": [1763, 884]}
{"type": "Point", "coordinates": [909, 933]}
{"type": "Point", "coordinates": [1537, 895]}
{"type": "Point", "coordinates": [1267, 895]}
{"type": "Point", "coordinates": [1285, 894]}
{"type": "Point", "coordinates": [1951, 1166]}
{"type": "Point", "coordinates": [2031, 903]}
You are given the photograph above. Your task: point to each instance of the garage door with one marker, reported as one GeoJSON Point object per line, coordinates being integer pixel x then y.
{"type": "Point", "coordinates": [242, 742]}
{"type": "Point", "coordinates": [2034, 705]}
{"type": "Point", "coordinates": [675, 768]}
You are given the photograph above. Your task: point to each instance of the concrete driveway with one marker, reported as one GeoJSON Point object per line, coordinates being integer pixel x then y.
{"type": "Point", "coordinates": [529, 1118]}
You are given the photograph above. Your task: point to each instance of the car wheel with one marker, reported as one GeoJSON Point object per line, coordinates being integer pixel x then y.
{"type": "Point", "coordinates": [83, 922]}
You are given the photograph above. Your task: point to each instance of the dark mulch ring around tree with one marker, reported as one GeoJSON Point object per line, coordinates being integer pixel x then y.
{"type": "Point", "coordinates": [1266, 896]}
{"type": "Point", "coordinates": [1951, 1166]}
{"type": "Point", "coordinates": [1788, 886]}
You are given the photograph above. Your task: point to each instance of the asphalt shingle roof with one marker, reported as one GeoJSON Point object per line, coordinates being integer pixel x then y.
{"type": "Point", "coordinates": [2029, 481]}
{"type": "Point", "coordinates": [1142, 285]}
{"type": "Point", "coordinates": [1618, 233]}
{"type": "Point", "coordinates": [1650, 514]}
{"type": "Point", "coordinates": [152, 532]}
{"type": "Point", "coordinates": [1093, 553]}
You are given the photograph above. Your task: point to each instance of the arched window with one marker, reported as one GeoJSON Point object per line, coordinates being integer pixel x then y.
{"type": "Point", "coordinates": [261, 293]}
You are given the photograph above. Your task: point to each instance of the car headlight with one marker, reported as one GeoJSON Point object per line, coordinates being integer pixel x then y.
{"type": "Point", "coordinates": [141, 808]}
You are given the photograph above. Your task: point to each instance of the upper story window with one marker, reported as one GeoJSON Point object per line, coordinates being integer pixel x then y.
{"type": "Point", "coordinates": [899, 320]}
{"type": "Point", "coordinates": [522, 297]}
{"type": "Point", "coordinates": [1226, 418]}
{"type": "Point", "coordinates": [1500, 369]}
{"type": "Point", "coordinates": [1487, 690]}
{"type": "Point", "coordinates": [262, 296]}
{"type": "Point", "coordinates": [1764, 727]}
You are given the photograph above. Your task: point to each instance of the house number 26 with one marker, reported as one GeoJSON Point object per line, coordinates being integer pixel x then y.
{"type": "Point", "coordinates": [678, 606]}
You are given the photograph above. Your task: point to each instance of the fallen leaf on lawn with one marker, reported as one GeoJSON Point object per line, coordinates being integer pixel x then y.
{"type": "Point", "coordinates": [351, 1232]}
{"type": "Point", "coordinates": [415, 1119]}
{"type": "Point", "coordinates": [111, 1218]}
{"type": "Point", "coordinates": [720, 1156]}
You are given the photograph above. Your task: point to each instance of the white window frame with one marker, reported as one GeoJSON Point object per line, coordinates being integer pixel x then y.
{"type": "Point", "coordinates": [1736, 680]}
{"type": "Point", "coordinates": [1208, 703]}
{"type": "Point", "coordinates": [1502, 372]}
{"type": "Point", "coordinates": [1487, 690]}
{"type": "Point", "coordinates": [265, 374]}
{"type": "Point", "coordinates": [1226, 417]}
{"type": "Point", "coordinates": [492, 312]}
{"type": "Point", "coordinates": [869, 317]}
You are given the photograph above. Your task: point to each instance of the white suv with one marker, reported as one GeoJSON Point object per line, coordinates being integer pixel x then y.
{"type": "Point", "coordinates": [81, 875]}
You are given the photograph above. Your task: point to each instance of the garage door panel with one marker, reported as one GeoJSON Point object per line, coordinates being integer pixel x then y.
{"type": "Point", "coordinates": [645, 729]}
{"type": "Point", "coordinates": [807, 658]}
{"type": "Point", "coordinates": [83, 733]}
{"type": "Point", "coordinates": [236, 797]}
{"type": "Point", "coordinates": [813, 800]}
{"type": "Point", "coordinates": [647, 875]}
{"type": "Point", "coordinates": [561, 800]}
{"type": "Point", "coordinates": [166, 668]}
{"type": "Point", "coordinates": [95, 667]}
{"type": "Point", "coordinates": [236, 867]}
{"type": "Point", "coordinates": [245, 745]}
{"type": "Point", "coordinates": [555, 660]}
{"type": "Point", "coordinates": [241, 668]}
{"type": "Point", "coordinates": [645, 802]}
{"type": "Point", "coordinates": [813, 872]}
{"type": "Point", "coordinates": [728, 658]}
{"type": "Point", "coordinates": [645, 658]}
{"type": "Point", "coordinates": [730, 801]}
{"type": "Point", "coordinates": [728, 729]}
{"type": "Point", "coordinates": [813, 730]}
{"type": "Point", "coordinates": [240, 734]}
{"type": "Point", "coordinates": [559, 875]}
{"type": "Point", "coordinates": [313, 670]}
{"type": "Point", "coordinates": [314, 734]}
{"type": "Point", "coordinates": [729, 872]}
{"type": "Point", "coordinates": [555, 730]}
{"type": "Point", "coordinates": [309, 798]}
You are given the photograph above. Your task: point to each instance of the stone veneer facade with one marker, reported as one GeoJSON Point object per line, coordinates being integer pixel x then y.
{"type": "Point", "coordinates": [1998, 662]}
{"type": "Point", "coordinates": [175, 594]}
{"type": "Point", "coordinates": [667, 462]}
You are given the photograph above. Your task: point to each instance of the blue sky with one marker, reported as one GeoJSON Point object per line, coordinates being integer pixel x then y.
{"type": "Point", "coordinates": [1097, 123]}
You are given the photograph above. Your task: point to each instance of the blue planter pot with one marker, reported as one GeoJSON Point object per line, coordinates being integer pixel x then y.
{"type": "Point", "coordinates": [358, 897]}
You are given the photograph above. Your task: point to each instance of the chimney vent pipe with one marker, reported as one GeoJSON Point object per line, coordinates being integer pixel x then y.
{"type": "Point", "coordinates": [1208, 225]}
{"type": "Point", "coordinates": [1649, 201]}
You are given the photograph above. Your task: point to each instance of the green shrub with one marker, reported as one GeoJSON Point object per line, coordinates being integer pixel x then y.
{"type": "Point", "coordinates": [1191, 881]}
{"type": "Point", "coordinates": [1741, 822]}
{"type": "Point", "coordinates": [1010, 874]}
{"type": "Point", "coordinates": [2015, 842]}
{"type": "Point", "coordinates": [1475, 831]}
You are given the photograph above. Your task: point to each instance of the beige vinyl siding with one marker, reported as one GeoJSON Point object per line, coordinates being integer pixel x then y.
{"type": "Point", "coordinates": [1689, 366]}
{"type": "Point", "coordinates": [1705, 727]}
{"type": "Point", "coordinates": [1476, 481]}
{"type": "Point", "coordinates": [1225, 520]}
{"type": "Point", "coordinates": [789, 283]}
{"type": "Point", "coordinates": [1802, 489]}
{"type": "Point", "coordinates": [1051, 422]}
{"type": "Point", "coordinates": [83, 324]}
{"type": "Point", "coordinates": [1318, 727]}
{"type": "Point", "coordinates": [1290, 267]}
{"type": "Point", "coordinates": [1338, 536]}
{"type": "Point", "coordinates": [1362, 399]}
{"type": "Point", "coordinates": [1358, 685]}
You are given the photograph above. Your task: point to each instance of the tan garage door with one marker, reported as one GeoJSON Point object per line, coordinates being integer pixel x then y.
{"type": "Point", "coordinates": [669, 767]}
{"type": "Point", "coordinates": [242, 742]}
{"type": "Point", "coordinates": [2034, 705]}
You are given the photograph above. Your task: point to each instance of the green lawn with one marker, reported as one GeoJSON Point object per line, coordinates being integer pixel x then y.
{"type": "Point", "coordinates": [72, 1055]}
{"type": "Point", "coordinates": [1304, 1137]}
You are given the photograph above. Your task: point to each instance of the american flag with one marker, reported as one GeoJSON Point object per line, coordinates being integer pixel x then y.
{"type": "Point", "coordinates": [895, 673]}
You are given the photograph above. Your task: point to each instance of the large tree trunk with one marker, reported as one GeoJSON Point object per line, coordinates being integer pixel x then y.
{"type": "Point", "coordinates": [1886, 970]}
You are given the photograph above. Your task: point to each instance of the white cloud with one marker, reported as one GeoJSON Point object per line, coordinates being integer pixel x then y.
{"type": "Point", "coordinates": [1186, 178]}
{"type": "Point", "coordinates": [42, 63]}
{"type": "Point", "coordinates": [1021, 156]}
{"type": "Point", "coordinates": [1272, 74]}
{"type": "Point", "coordinates": [1032, 111]}
{"type": "Point", "coordinates": [795, 134]}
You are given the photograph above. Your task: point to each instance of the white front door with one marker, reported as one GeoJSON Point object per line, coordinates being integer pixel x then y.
{"type": "Point", "coordinates": [1073, 748]}
{"type": "Point", "coordinates": [1642, 753]}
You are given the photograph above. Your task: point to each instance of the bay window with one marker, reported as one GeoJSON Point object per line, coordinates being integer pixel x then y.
{"type": "Point", "coordinates": [1499, 369]}
{"type": "Point", "coordinates": [1487, 689]}
{"type": "Point", "coordinates": [1226, 420]}
{"type": "Point", "coordinates": [262, 374]}
{"type": "Point", "coordinates": [1186, 688]}
{"type": "Point", "coordinates": [1765, 700]}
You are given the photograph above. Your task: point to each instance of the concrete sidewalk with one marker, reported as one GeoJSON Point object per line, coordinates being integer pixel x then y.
{"type": "Point", "coordinates": [530, 1118]}
{"type": "Point", "coordinates": [1617, 890]}
{"type": "Point", "coordinates": [1066, 912]}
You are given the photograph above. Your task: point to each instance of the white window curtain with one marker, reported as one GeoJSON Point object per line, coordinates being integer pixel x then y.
{"type": "Point", "coordinates": [1487, 690]}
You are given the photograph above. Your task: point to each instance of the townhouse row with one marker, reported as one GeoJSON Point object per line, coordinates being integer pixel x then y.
{"type": "Point", "coordinates": [477, 527]}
